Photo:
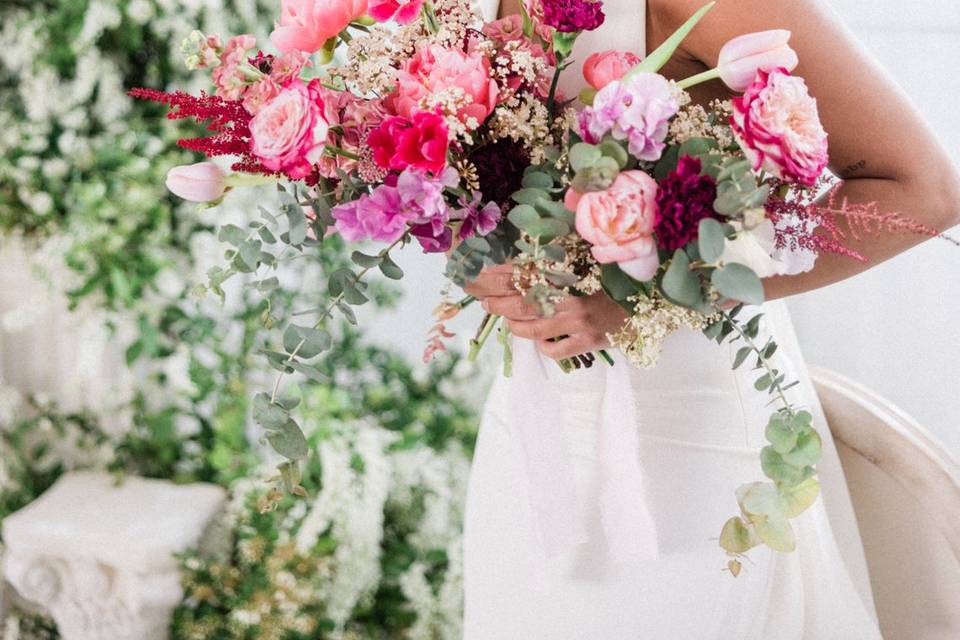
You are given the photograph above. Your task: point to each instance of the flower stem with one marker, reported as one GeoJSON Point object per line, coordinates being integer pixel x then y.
{"type": "Point", "coordinates": [712, 74]}
{"type": "Point", "coordinates": [489, 323]}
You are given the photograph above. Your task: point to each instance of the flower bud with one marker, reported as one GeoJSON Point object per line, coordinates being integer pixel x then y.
{"type": "Point", "coordinates": [602, 68]}
{"type": "Point", "coordinates": [201, 182]}
{"type": "Point", "coordinates": [743, 57]}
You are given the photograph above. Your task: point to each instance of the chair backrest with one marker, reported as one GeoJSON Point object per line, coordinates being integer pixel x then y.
{"type": "Point", "coordinates": [905, 489]}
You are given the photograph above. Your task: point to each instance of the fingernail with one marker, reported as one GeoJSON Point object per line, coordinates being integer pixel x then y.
{"type": "Point", "coordinates": [485, 306]}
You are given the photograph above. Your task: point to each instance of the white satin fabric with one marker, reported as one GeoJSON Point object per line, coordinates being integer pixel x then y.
{"type": "Point", "coordinates": [542, 566]}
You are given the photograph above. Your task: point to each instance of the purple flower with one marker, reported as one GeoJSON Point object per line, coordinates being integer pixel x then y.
{"type": "Point", "coordinates": [377, 216]}
{"type": "Point", "coordinates": [431, 239]}
{"type": "Point", "coordinates": [477, 220]}
{"type": "Point", "coordinates": [414, 199]}
{"type": "Point", "coordinates": [569, 16]}
{"type": "Point", "coordinates": [684, 198]}
{"type": "Point", "coordinates": [637, 110]}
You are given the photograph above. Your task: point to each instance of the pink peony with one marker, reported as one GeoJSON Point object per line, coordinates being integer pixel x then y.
{"type": "Point", "coordinates": [305, 25]}
{"type": "Point", "coordinates": [619, 223]}
{"type": "Point", "coordinates": [506, 29]}
{"type": "Point", "coordinates": [231, 77]}
{"type": "Point", "coordinates": [742, 57]}
{"type": "Point", "coordinates": [602, 68]}
{"type": "Point", "coordinates": [778, 127]}
{"type": "Point", "coordinates": [421, 142]}
{"type": "Point", "coordinates": [436, 70]}
{"type": "Point", "coordinates": [200, 182]}
{"type": "Point", "coordinates": [403, 11]}
{"type": "Point", "coordinates": [290, 131]}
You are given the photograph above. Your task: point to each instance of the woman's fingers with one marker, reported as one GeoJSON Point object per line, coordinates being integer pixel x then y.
{"type": "Point", "coordinates": [493, 282]}
{"type": "Point", "coordinates": [566, 348]}
{"type": "Point", "coordinates": [540, 329]}
{"type": "Point", "coordinates": [511, 307]}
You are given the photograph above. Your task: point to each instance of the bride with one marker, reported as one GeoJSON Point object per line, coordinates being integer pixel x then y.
{"type": "Point", "coordinates": [538, 560]}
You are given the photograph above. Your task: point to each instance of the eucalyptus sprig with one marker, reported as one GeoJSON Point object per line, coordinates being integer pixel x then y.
{"type": "Point", "coordinates": [788, 461]}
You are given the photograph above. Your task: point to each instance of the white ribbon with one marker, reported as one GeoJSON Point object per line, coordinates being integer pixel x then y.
{"type": "Point", "coordinates": [537, 420]}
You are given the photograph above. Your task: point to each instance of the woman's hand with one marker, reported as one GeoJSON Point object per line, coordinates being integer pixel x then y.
{"type": "Point", "coordinates": [581, 323]}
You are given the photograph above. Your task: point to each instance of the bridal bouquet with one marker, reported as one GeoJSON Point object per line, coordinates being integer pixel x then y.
{"type": "Point", "coordinates": [448, 132]}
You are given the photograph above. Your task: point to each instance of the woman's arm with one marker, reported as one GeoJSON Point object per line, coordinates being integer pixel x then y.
{"type": "Point", "coordinates": [878, 142]}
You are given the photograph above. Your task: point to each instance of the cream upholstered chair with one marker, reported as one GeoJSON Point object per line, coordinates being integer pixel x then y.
{"type": "Point", "coordinates": [906, 493]}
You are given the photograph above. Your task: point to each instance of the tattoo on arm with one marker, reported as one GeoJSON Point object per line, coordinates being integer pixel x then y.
{"type": "Point", "coordinates": [853, 168]}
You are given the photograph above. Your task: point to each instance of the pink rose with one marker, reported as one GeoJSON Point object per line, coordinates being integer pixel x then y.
{"type": "Point", "coordinates": [399, 143]}
{"type": "Point", "coordinates": [778, 127]}
{"type": "Point", "coordinates": [305, 25]}
{"type": "Point", "coordinates": [289, 132]}
{"type": "Point", "coordinates": [435, 71]}
{"type": "Point", "coordinates": [403, 12]}
{"type": "Point", "coordinates": [201, 182]}
{"type": "Point", "coordinates": [260, 93]}
{"type": "Point", "coordinates": [600, 69]}
{"type": "Point", "coordinates": [742, 57]}
{"type": "Point", "coordinates": [619, 223]}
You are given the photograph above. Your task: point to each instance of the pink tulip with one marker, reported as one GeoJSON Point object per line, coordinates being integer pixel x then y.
{"type": "Point", "coordinates": [201, 182]}
{"type": "Point", "coordinates": [603, 67]}
{"type": "Point", "coordinates": [743, 57]}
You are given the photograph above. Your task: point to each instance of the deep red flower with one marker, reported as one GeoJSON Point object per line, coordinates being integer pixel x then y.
{"type": "Point", "coordinates": [569, 16]}
{"type": "Point", "coordinates": [684, 199]}
{"type": "Point", "coordinates": [419, 142]}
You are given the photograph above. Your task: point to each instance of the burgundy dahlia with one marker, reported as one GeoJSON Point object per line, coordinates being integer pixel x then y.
{"type": "Point", "coordinates": [684, 199]}
{"type": "Point", "coordinates": [500, 168]}
{"type": "Point", "coordinates": [569, 16]}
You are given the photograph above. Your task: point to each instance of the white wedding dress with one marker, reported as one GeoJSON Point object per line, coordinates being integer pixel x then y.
{"type": "Point", "coordinates": [596, 497]}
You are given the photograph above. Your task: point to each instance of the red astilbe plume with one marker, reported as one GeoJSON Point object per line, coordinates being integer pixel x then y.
{"type": "Point", "coordinates": [228, 119]}
{"type": "Point", "coordinates": [823, 228]}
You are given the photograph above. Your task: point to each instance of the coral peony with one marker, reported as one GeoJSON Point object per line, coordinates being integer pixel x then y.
{"type": "Point", "coordinates": [619, 223]}
{"type": "Point", "coordinates": [421, 142]}
{"type": "Point", "coordinates": [438, 75]}
{"type": "Point", "coordinates": [602, 68]}
{"type": "Point", "coordinates": [290, 131]}
{"type": "Point", "coordinates": [684, 198]}
{"type": "Point", "coordinates": [778, 127]}
{"type": "Point", "coordinates": [403, 11]}
{"type": "Point", "coordinates": [305, 25]}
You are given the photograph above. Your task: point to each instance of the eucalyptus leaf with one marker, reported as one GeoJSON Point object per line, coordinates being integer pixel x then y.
{"type": "Point", "coordinates": [737, 537]}
{"type": "Point", "coordinates": [807, 451]}
{"type": "Point", "coordinates": [390, 269]}
{"type": "Point", "coordinates": [711, 240]}
{"type": "Point", "coordinates": [679, 283]}
{"type": "Point", "coordinates": [801, 497]}
{"type": "Point", "coordinates": [548, 228]}
{"type": "Point", "coordinates": [231, 234]}
{"type": "Point", "coordinates": [537, 180]}
{"type": "Point", "coordinates": [363, 260]}
{"type": "Point", "coordinates": [288, 440]}
{"type": "Point", "coordinates": [522, 216]}
{"type": "Point", "coordinates": [738, 282]}
{"type": "Point", "coordinates": [777, 534]}
{"type": "Point", "coordinates": [780, 434]}
{"type": "Point", "coordinates": [779, 470]}
{"type": "Point", "coordinates": [584, 156]}
{"type": "Point", "coordinates": [529, 196]}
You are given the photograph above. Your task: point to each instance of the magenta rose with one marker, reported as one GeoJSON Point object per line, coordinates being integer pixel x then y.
{"type": "Point", "coordinates": [305, 25]}
{"type": "Point", "coordinates": [435, 71]}
{"type": "Point", "coordinates": [402, 12]}
{"type": "Point", "coordinates": [290, 131]}
{"type": "Point", "coordinates": [399, 143]}
{"type": "Point", "coordinates": [778, 127]}
{"type": "Point", "coordinates": [602, 68]}
{"type": "Point", "coordinates": [619, 223]}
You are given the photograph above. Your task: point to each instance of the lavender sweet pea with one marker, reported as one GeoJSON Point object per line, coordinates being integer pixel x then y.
{"type": "Point", "coordinates": [637, 110]}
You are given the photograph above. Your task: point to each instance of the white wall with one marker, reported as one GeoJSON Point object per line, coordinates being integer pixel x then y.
{"type": "Point", "coordinates": [895, 328]}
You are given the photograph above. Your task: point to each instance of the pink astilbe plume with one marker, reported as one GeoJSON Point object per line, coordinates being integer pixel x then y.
{"type": "Point", "coordinates": [228, 119]}
{"type": "Point", "coordinates": [823, 228]}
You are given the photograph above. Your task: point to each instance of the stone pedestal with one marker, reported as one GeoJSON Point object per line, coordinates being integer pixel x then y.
{"type": "Point", "coordinates": [98, 556]}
